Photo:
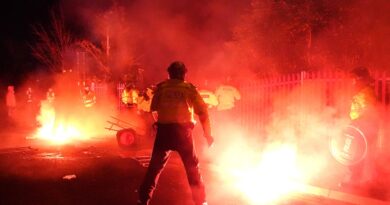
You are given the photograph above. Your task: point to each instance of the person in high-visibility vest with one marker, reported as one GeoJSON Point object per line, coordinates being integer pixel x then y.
{"type": "Point", "coordinates": [365, 116]}
{"type": "Point", "coordinates": [176, 101]}
{"type": "Point", "coordinates": [145, 100]}
{"type": "Point", "coordinates": [130, 96]}
{"type": "Point", "coordinates": [364, 99]}
{"type": "Point", "coordinates": [227, 95]}
{"type": "Point", "coordinates": [209, 98]}
{"type": "Point", "coordinates": [89, 97]}
{"type": "Point", "coordinates": [50, 95]}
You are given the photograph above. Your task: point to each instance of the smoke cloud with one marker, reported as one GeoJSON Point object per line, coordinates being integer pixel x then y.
{"type": "Point", "coordinates": [245, 40]}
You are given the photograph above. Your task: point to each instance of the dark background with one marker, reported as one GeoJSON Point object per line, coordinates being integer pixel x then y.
{"type": "Point", "coordinates": [16, 36]}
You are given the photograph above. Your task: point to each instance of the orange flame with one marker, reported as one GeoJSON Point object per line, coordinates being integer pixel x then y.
{"type": "Point", "coordinates": [54, 130]}
{"type": "Point", "coordinates": [261, 177]}
{"type": "Point", "coordinates": [273, 176]}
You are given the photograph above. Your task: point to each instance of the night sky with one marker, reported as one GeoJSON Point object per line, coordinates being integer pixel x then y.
{"type": "Point", "coordinates": [17, 18]}
{"type": "Point", "coordinates": [344, 33]}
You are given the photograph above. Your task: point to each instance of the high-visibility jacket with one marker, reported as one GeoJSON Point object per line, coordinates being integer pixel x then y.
{"type": "Point", "coordinates": [176, 101]}
{"type": "Point", "coordinates": [89, 99]}
{"type": "Point", "coordinates": [227, 95]}
{"type": "Point", "coordinates": [145, 101]}
{"type": "Point", "coordinates": [50, 96]}
{"type": "Point", "coordinates": [209, 98]}
{"type": "Point", "coordinates": [130, 96]}
{"type": "Point", "coordinates": [363, 103]}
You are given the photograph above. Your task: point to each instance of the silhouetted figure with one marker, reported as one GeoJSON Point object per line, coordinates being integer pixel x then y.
{"type": "Point", "coordinates": [175, 102]}
{"type": "Point", "coordinates": [11, 101]}
{"type": "Point", "coordinates": [50, 95]}
{"type": "Point", "coordinates": [29, 95]}
{"type": "Point", "coordinates": [89, 97]}
{"type": "Point", "coordinates": [365, 117]}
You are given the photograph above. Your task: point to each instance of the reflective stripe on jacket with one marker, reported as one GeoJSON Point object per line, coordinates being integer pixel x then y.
{"type": "Point", "coordinates": [176, 101]}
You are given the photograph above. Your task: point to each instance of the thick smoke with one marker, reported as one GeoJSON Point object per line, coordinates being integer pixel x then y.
{"type": "Point", "coordinates": [153, 34]}
{"type": "Point", "coordinates": [245, 40]}
{"type": "Point", "coordinates": [291, 36]}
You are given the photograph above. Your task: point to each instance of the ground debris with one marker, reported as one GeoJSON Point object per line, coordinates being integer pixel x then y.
{"type": "Point", "coordinates": [69, 177]}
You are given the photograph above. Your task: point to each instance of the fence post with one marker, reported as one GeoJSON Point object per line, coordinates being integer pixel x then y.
{"type": "Point", "coordinates": [302, 78]}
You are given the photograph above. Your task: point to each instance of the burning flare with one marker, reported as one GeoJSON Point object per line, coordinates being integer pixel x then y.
{"type": "Point", "coordinates": [54, 130]}
{"type": "Point", "coordinates": [261, 177]}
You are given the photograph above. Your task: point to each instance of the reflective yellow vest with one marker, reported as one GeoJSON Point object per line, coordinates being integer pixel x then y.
{"type": "Point", "coordinates": [209, 98]}
{"type": "Point", "coordinates": [176, 101]}
{"type": "Point", "coordinates": [362, 102]}
{"type": "Point", "coordinates": [89, 99]}
{"type": "Point", "coordinates": [144, 102]}
{"type": "Point", "coordinates": [227, 95]}
{"type": "Point", "coordinates": [130, 96]}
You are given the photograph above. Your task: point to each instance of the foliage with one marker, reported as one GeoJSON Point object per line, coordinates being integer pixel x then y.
{"type": "Point", "coordinates": [294, 35]}
{"type": "Point", "coordinates": [55, 42]}
{"type": "Point", "coordinates": [52, 42]}
{"type": "Point", "coordinates": [97, 53]}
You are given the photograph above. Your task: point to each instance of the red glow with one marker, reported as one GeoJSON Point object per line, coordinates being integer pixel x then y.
{"type": "Point", "coordinates": [56, 130]}
{"type": "Point", "coordinates": [261, 176]}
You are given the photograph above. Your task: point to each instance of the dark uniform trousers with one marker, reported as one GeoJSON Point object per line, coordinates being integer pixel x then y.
{"type": "Point", "coordinates": [173, 137]}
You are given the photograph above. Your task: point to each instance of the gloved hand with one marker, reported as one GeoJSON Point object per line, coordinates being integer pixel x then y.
{"type": "Point", "coordinates": [210, 140]}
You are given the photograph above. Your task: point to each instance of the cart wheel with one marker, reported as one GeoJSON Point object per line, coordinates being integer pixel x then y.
{"type": "Point", "coordinates": [126, 138]}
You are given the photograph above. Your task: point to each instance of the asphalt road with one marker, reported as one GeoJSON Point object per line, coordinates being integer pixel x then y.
{"type": "Point", "coordinates": [81, 174]}
{"type": "Point", "coordinates": [99, 172]}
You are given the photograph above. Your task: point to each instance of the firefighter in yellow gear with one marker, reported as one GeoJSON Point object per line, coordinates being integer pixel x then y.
{"type": "Point", "coordinates": [176, 101]}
